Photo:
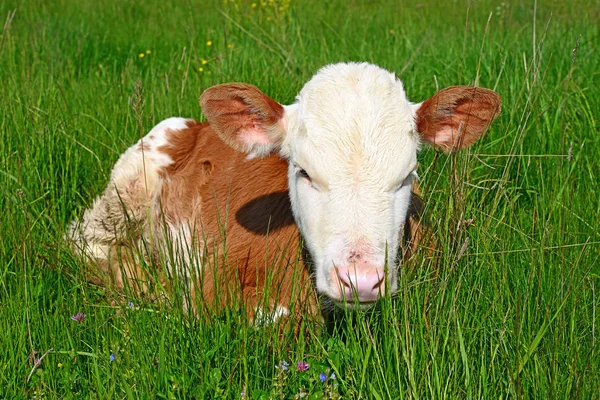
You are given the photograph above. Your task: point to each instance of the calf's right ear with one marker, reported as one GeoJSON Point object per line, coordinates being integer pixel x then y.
{"type": "Point", "coordinates": [457, 116]}
{"type": "Point", "coordinates": [244, 117]}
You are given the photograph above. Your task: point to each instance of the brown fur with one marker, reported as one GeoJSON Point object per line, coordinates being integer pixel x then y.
{"type": "Point", "coordinates": [467, 109]}
{"type": "Point", "coordinates": [245, 214]}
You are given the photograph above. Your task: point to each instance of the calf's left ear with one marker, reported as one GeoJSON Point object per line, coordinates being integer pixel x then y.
{"type": "Point", "coordinates": [457, 116]}
{"type": "Point", "coordinates": [244, 117]}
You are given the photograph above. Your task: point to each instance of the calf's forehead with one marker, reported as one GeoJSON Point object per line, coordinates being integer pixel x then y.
{"type": "Point", "coordinates": [355, 117]}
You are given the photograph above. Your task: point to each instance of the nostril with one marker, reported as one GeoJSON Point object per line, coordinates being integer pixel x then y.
{"type": "Point", "coordinates": [368, 285]}
{"type": "Point", "coordinates": [344, 278]}
{"type": "Point", "coordinates": [379, 283]}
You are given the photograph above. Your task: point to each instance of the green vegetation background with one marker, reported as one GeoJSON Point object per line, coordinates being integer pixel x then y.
{"type": "Point", "coordinates": [510, 311]}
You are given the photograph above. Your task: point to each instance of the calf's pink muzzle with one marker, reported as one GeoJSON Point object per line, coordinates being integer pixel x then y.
{"type": "Point", "coordinates": [367, 282]}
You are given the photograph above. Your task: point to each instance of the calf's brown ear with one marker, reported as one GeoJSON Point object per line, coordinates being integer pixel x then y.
{"type": "Point", "coordinates": [244, 117]}
{"type": "Point", "coordinates": [457, 116]}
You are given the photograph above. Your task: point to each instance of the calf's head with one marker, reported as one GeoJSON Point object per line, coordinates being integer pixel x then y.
{"type": "Point", "coordinates": [351, 140]}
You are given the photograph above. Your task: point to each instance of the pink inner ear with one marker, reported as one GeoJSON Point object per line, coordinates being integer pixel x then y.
{"type": "Point", "coordinates": [254, 136]}
{"type": "Point", "coordinates": [244, 117]}
{"type": "Point", "coordinates": [450, 136]}
{"type": "Point", "coordinates": [445, 136]}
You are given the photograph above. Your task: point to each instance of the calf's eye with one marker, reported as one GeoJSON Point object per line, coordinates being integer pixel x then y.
{"type": "Point", "coordinates": [302, 173]}
{"type": "Point", "coordinates": [306, 179]}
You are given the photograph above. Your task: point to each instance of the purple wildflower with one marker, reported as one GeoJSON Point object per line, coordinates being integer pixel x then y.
{"type": "Point", "coordinates": [243, 394]}
{"type": "Point", "coordinates": [79, 317]}
{"type": "Point", "coordinates": [323, 377]}
{"type": "Point", "coordinates": [333, 376]}
{"type": "Point", "coordinates": [112, 357]}
{"type": "Point", "coordinates": [302, 366]}
{"type": "Point", "coordinates": [130, 304]}
{"type": "Point", "coordinates": [283, 365]}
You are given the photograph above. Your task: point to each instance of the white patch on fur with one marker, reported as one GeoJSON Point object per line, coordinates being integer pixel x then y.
{"type": "Point", "coordinates": [182, 251]}
{"type": "Point", "coordinates": [130, 198]}
{"type": "Point", "coordinates": [82, 247]}
{"type": "Point", "coordinates": [263, 318]}
{"type": "Point", "coordinates": [157, 138]}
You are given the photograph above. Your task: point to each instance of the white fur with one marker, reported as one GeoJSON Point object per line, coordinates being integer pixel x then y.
{"type": "Point", "coordinates": [181, 262]}
{"type": "Point", "coordinates": [268, 317]}
{"type": "Point", "coordinates": [130, 196]}
{"type": "Point", "coordinates": [353, 130]}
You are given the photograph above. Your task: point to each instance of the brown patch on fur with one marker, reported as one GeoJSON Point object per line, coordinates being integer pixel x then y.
{"type": "Point", "coordinates": [181, 197]}
{"type": "Point", "coordinates": [235, 107]}
{"type": "Point", "coordinates": [243, 209]}
{"type": "Point", "coordinates": [467, 111]}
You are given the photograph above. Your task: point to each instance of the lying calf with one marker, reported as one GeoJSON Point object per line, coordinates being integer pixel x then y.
{"type": "Point", "coordinates": [235, 200]}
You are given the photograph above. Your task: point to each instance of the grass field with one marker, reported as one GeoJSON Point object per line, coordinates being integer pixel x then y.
{"type": "Point", "coordinates": [511, 310]}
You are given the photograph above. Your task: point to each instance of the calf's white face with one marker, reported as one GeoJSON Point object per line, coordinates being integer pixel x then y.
{"type": "Point", "coordinates": [351, 140]}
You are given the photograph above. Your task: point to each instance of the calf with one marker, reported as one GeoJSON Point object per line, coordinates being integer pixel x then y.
{"type": "Point", "coordinates": [333, 171]}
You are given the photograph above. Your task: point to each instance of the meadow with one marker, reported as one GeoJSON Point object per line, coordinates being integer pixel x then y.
{"type": "Point", "coordinates": [506, 307]}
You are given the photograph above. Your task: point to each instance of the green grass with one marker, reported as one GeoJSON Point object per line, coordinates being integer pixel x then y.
{"type": "Point", "coordinates": [511, 310]}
